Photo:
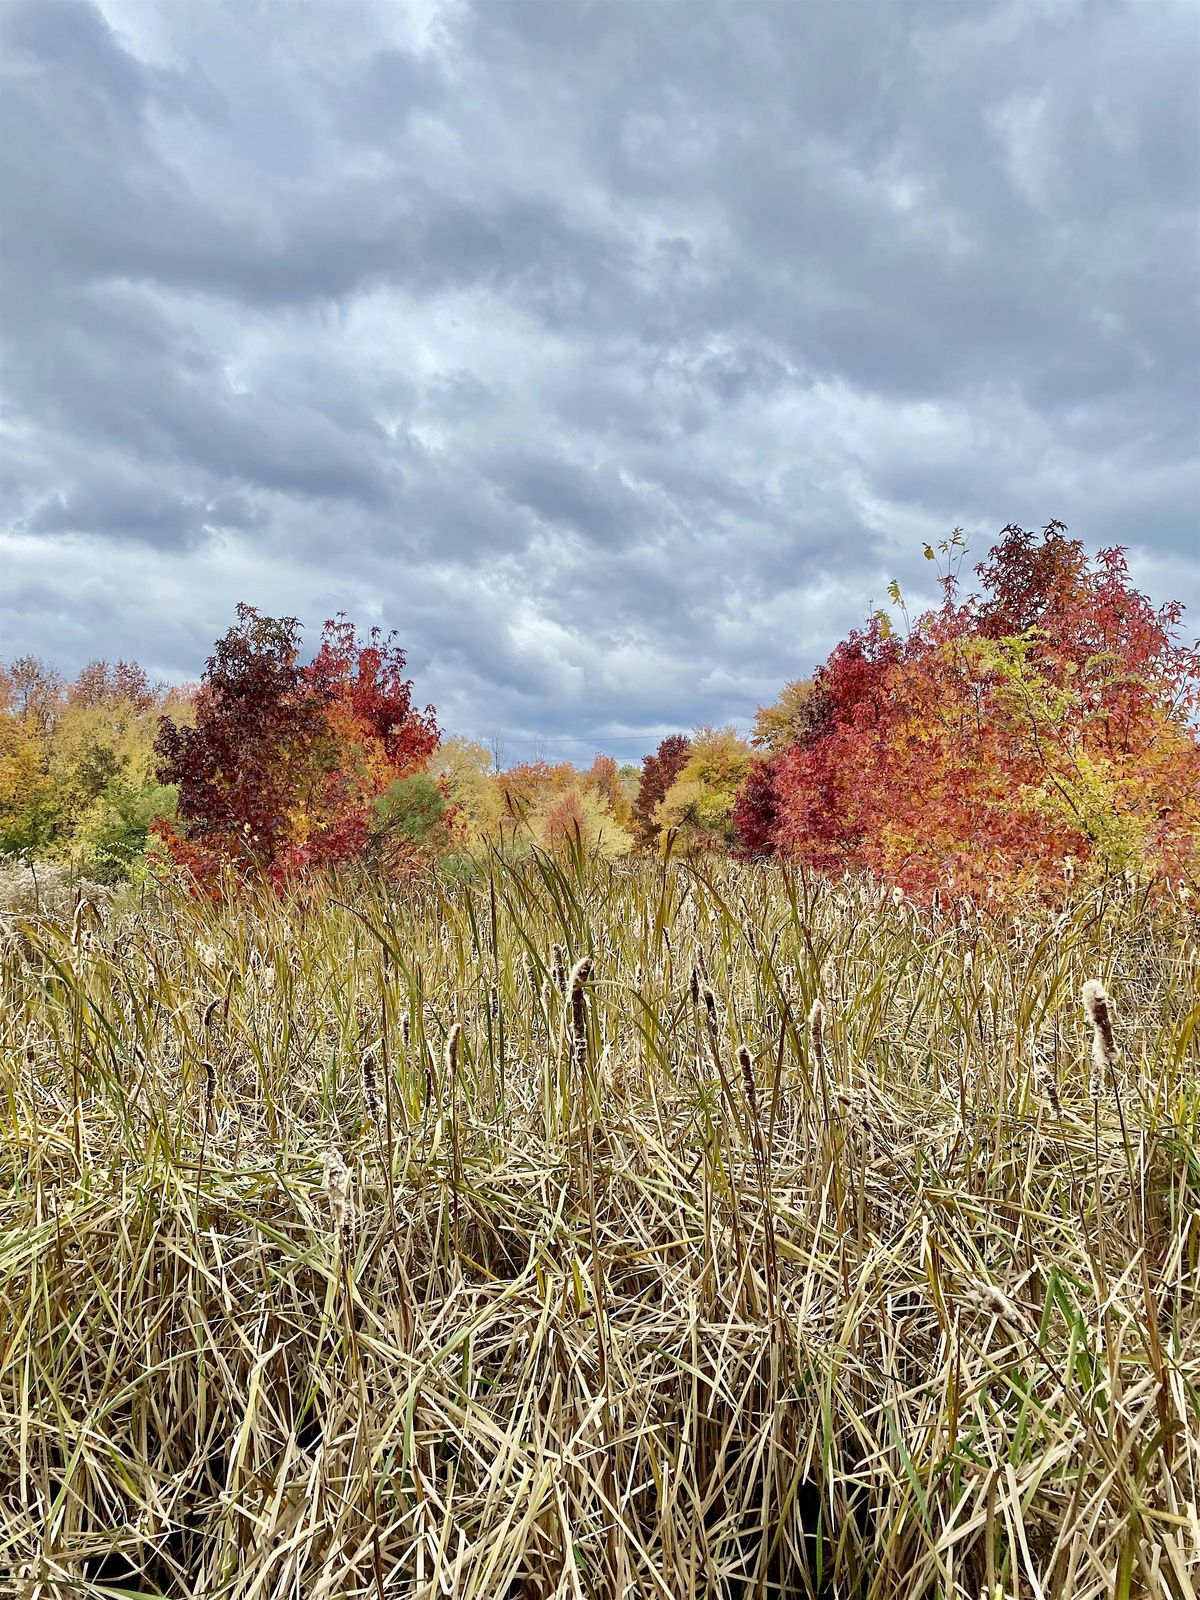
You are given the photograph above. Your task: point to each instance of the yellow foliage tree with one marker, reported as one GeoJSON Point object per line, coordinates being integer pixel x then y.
{"type": "Point", "coordinates": [697, 811]}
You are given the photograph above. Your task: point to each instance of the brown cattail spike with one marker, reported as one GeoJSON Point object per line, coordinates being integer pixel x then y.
{"type": "Point", "coordinates": [746, 1063]}
{"type": "Point", "coordinates": [1051, 1091]}
{"type": "Point", "coordinates": [816, 1031]}
{"type": "Point", "coordinates": [580, 973]}
{"type": "Point", "coordinates": [210, 1092]}
{"type": "Point", "coordinates": [452, 1049]}
{"type": "Point", "coordinates": [370, 1093]}
{"type": "Point", "coordinates": [747, 1066]}
{"type": "Point", "coordinates": [710, 1009]}
{"type": "Point", "coordinates": [1104, 1046]}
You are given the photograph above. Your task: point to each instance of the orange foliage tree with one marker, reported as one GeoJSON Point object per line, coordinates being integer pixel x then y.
{"type": "Point", "coordinates": [1048, 717]}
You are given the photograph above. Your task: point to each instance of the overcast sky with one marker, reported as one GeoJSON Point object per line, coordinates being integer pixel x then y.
{"type": "Point", "coordinates": [617, 355]}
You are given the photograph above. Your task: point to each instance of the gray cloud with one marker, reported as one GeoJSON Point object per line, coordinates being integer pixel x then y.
{"type": "Point", "coordinates": [616, 355]}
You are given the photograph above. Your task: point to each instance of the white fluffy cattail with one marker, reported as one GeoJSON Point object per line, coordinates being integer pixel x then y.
{"type": "Point", "coordinates": [994, 1302]}
{"type": "Point", "coordinates": [335, 1182]}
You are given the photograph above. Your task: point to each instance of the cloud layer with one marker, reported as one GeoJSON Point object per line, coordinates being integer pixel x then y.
{"type": "Point", "coordinates": [617, 355]}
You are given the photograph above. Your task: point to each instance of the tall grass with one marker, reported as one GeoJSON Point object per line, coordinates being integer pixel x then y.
{"type": "Point", "coordinates": [598, 1231]}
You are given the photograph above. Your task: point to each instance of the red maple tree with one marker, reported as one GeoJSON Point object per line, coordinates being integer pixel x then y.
{"type": "Point", "coordinates": [1047, 716]}
{"type": "Point", "coordinates": [278, 771]}
{"type": "Point", "coordinates": [659, 772]}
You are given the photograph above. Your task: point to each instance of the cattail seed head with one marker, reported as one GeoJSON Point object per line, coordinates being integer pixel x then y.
{"type": "Point", "coordinates": [816, 1030]}
{"type": "Point", "coordinates": [335, 1182]}
{"type": "Point", "coordinates": [710, 1009]}
{"type": "Point", "coordinates": [580, 973]}
{"type": "Point", "coordinates": [995, 1303]}
{"type": "Point", "coordinates": [747, 1065]}
{"type": "Point", "coordinates": [452, 1048]}
{"type": "Point", "coordinates": [558, 967]}
{"type": "Point", "coordinates": [1104, 1047]}
{"type": "Point", "coordinates": [370, 1093]}
{"type": "Point", "coordinates": [1050, 1090]}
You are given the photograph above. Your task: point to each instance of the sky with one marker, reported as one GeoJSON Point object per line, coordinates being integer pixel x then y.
{"type": "Point", "coordinates": [617, 355]}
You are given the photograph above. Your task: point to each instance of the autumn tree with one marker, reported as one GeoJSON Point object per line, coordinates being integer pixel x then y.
{"type": "Point", "coordinates": [240, 767]}
{"type": "Point", "coordinates": [785, 721]}
{"type": "Point", "coordinates": [659, 772]}
{"type": "Point", "coordinates": [1047, 715]}
{"type": "Point", "coordinates": [281, 768]}
{"type": "Point", "coordinates": [26, 816]}
{"type": "Point", "coordinates": [559, 808]}
{"type": "Point", "coordinates": [580, 818]}
{"type": "Point", "coordinates": [102, 742]}
{"type": "Point", "coordinates": [463, 771]}
{"type": "Point", "coordinates": [34, 692]}
{"type": "Point", "coordinates": [755, 815]}
{"type": "Point", "coordinates": [372, 735]}
{"type": "Point", "coordinates": [697, 810]}
{"type": "Point", "coordinates": [76, 764]}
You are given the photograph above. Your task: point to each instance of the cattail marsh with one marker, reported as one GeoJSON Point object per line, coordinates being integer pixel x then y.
{"type": "Point", "coordinates": [611, 1231]}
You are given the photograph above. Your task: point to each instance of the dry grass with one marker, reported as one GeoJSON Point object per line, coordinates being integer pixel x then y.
{"type": "Point", "coordinates": [378, 1247]}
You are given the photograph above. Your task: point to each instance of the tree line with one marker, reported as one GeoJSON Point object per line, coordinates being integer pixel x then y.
{"type": "Point", "coordinates": [1040, 727]}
